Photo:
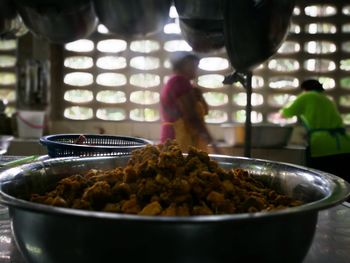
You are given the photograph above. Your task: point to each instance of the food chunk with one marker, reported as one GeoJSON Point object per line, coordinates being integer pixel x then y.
{"type": "Point", "coordinates": [151, 209]}
{"type": "Point", "coordinates": [97, 194]}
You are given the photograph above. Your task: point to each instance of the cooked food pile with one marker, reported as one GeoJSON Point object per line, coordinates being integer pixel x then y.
{"type": "Point", "coordinates": [159, 180]}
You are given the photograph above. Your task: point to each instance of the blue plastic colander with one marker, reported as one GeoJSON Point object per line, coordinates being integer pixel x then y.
{"type": "Point", "coordinates": [63, 145]}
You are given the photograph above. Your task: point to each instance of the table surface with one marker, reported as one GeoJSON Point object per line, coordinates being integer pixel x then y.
{"type": "Point", "coordinates": [331, 243]}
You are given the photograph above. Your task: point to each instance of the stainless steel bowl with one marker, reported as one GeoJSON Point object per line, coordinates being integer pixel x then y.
{"type": "Point", "coordinates": [263, 135]}
{"type": "Point", "coordinates": [52, 234]}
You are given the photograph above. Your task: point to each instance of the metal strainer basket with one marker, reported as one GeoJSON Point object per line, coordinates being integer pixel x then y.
{"type": "Point", "coordinates": [64, 145]}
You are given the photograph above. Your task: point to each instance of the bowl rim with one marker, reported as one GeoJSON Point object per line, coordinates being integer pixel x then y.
{"type": "Point", "coordinates": [340, 192]}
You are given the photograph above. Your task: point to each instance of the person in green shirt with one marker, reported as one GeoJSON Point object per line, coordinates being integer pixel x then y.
{"type": "Point", "coordinates": [328, 142]}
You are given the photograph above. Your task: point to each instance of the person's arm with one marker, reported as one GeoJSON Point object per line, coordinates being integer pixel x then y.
{"type": "Point", "coordinates": [186, 104]}
{"type": "Point", "coordinates": [186, 98]}
{"type": "Point", "coordinates": [296, 108]}
{"type": "Point", "coordinates": [199, 96]}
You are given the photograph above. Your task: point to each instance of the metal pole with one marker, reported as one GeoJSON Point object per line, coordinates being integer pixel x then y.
{"type": "Point", "coordinates": [248, 110]}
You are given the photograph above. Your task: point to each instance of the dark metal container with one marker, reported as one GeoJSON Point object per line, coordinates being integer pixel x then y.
{"type": "Point", "coordinates": [199, 9]}
{"type": "Point", "coordinates": [59, 21]}
{"type": "Point", "coordinates": [203, 35]}
{"type": "Point", "coordinates": [133, 17]}
{"type": "Point", "coordinates": [52, 234]}
{"type": "Point", "coordinates": [11, 25]}
{"type": "Point", "coordinates": [254, 30]}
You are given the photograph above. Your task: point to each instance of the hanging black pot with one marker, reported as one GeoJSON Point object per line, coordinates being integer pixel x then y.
{"type": "Point", "coordinates": [53, 3]}
{"type": "Point", "coordinates": [133, 17]}
{"type": "Point", "coordinates": [203, 35]}
{"type": "Point", "coordinates": [11, 24]}
{"type": "Point", "coordinates": [199, 9]}
{"type": "Point", "coordinates": [59, 22]}
{"type": "Point", "coordinates": [254, 30]}
{"type": "Point", "coordinates": [7, 13]}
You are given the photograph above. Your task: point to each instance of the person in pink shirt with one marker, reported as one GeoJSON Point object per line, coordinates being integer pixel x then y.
{"type": "Point", "coordinates": [183, 107]}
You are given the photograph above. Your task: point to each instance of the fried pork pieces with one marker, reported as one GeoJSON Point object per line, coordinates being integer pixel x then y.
{"type": "Point", "coordinates": [159, 180]}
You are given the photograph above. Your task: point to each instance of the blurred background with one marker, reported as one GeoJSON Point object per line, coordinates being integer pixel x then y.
{"type": "Point", "coordinates": [109, 83]}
